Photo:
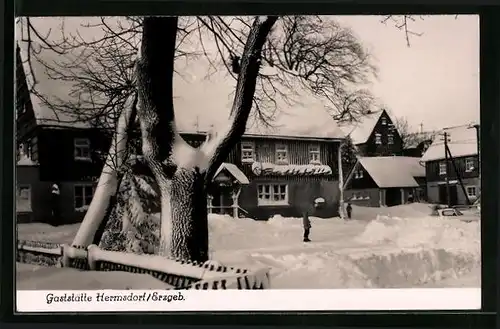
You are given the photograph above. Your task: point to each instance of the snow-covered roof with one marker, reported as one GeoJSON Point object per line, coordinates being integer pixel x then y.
{"type": "Point", "coordinates": [307, 119]}
{"type": "Point", "coordinates": [392, 171]}
{"type": "Point", "coordinates": [234, 171]}
{"type": "Point", "coordinates": [462, 142]}
{"type": "Point", "coordinates": [361, 130]}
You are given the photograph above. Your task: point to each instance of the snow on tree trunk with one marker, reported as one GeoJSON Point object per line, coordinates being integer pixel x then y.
{"type": "Point", "coordinates": [182, 172]}
{"type": "Point", "coordinates": [108, 182]}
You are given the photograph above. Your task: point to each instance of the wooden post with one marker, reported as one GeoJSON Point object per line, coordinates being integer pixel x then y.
{"type": "Point", "coordinates": [235, 195]}
{"type": "Point", "coordinates": [209, 203]}
{"type": "Point", "coordinates": [402, 190]}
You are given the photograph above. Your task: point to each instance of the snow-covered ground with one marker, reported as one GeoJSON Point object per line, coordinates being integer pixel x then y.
{"type": "Point", "coordinates": [397, 247]}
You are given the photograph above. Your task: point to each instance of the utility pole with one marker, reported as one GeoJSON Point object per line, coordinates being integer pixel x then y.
{"type": "Point", "coordinates": [478, 143]}
{"type": "Point", "coordinates": [448, 199]}
{"type": "Point", "coordinates": [341, 182]}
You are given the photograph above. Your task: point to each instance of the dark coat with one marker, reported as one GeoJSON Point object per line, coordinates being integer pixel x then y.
{"type": "Point", "coordinates": [305, 218]}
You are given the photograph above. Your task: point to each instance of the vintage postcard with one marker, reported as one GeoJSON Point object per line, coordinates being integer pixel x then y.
{"type": "Point", "coordinates": [273, 162]}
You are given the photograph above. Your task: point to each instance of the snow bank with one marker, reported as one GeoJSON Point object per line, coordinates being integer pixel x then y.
{"type": "Point", "coordinates": [384, 252]}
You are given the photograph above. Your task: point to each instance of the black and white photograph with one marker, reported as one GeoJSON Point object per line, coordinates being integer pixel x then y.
{"type": "Point", "coordinates": [162, 156]}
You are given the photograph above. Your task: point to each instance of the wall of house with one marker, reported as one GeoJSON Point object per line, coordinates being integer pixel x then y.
{"type": "Point", "coordinates": [56, 154]}
{"type": "Point", "coordinates": [368, 197]}
{"type": "Point", "coordinates": [301, 193]}
{"type": "Point", "coordinates": [433, 191]}
{"type": "Point", "coordinates": [371, 148]}
{"type": "Point", "coordinates": [433, 175]}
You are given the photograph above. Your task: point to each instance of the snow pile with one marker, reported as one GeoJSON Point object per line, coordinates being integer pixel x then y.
{"type": "Point", "coordinates": [426, 232]}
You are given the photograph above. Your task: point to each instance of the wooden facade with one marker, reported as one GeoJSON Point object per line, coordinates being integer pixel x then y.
{"type": "Point", "coordinates": [53, 148]}
{"type": "Point", "coordinates": [467, 171]}
{"type": "Point", "coordinates": [384, 139]}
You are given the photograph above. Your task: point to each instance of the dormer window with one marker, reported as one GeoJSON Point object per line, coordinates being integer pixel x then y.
{"type": "Point", "coordinates": [82, 149]}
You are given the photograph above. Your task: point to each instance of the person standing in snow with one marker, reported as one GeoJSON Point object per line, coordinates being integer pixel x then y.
{"type": "Point", "coordinates": [55, 197]}
{"type": "Point", "coordinates": [349, 210]}
{"type": "Point", "coordinates": [306, 222]}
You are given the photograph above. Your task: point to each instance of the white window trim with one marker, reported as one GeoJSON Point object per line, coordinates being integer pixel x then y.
{"type": "Point", "coordinates": [252, 146]}
{"type": "Point", "coordinates": [390, 139]}
{"type": "Point", "coordinates": [475, 191]}
{"type": "Point", "coordinates": [76, 145]}
{"type": "Point", "coordinates": [315, 149]}
{"type": "Point", "coordinates": [469, 161]}
{"type": "Point", "coordinates": [271, 202]}
{"type": "Point", "coordinates": [378, 138]}
{"type": "Point", "coordinates": [383, 121]}
{"type": "Point", "coordinates": [84, 207]}
{"type": "Point", "coordinates": [441, 165]}
{"type": "Point", "coordinates": [358, 174]}
{"type": "Point", "coordinates": [281, 148]}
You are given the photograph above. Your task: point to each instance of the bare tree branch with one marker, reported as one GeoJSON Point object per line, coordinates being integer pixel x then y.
{"type": "Point", "coordinates": [218, 148]}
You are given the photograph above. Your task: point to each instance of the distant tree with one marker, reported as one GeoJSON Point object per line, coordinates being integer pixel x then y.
{"type": "Point", "coordinates": [349, 156]}
{"type": "Point", "coordinates": [411, 138]}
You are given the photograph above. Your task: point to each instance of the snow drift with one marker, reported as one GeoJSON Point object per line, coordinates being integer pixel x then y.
{"type": "Point", "coordinates": [388, 252]}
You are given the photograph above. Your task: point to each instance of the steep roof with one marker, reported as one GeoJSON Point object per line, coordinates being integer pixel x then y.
{"type": "Point", "coordinates": [393, 171]}
{"type": "Point", "coordinates": [234, 171]}
{"type": "Point", "coordinates": [462, 142]}
{"type": "Point", "coordinates": [361, 130]}
{"type": "Point", "coordinates": [300, 124]}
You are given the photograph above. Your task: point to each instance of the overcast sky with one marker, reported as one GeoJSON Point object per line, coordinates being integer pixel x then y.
{"type": "Point", "coordinates": [434, 82]}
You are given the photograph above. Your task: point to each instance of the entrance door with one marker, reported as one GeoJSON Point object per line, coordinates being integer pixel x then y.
{"type": "Point", "coordinates": [443, 194]}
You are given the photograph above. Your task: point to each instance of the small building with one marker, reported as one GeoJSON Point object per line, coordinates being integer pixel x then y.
{"type": "Point", "coordinates": [385, 181]}
{"type": "Point", "coordinates": [462, 169]}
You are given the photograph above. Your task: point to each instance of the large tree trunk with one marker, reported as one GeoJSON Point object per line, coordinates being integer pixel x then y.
{"type": "Point", "coordinates": [182, 172]}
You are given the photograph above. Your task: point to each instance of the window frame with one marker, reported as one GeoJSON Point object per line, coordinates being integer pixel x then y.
{"type": "Point", "coordinates": [383, 121]}
{"type": "Point", "coordinates": [378, 138]}
{"type": "Point", "coordinates": [358, 174]}
{"type": "Point", "coordinates": [314, 150]}
{"type": "Point", "coordinates": [83, 196]}
{"type": "Point", "coordinates": [262, 202]}
{"type": "Point", "coordinates": [471, 187]}
{"type": "Point", "coordinates": [442, 164]}
{"type": "Point", "coordinates": [81, 144]}
{"type": "Point", "coordinates": [467, 162]}
{"type": "Point", "coordinates": [251, 149]}
{"type": "Point", "coordinates": [390, 138]}
{"type": "Point", "coordinates": [281, 148]}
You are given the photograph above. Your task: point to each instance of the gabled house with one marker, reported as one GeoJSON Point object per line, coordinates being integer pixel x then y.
{"type": "Point", "coordinates": [267, 173]}
{"type": "Point", "coordinates": [375, 135]}
{"type": "Point", "coordinates": [385, 181]}
{"type": "Point", "coordinates": [462, 169]}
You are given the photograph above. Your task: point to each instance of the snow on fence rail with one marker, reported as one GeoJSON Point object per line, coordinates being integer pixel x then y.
{"type": "Point", "coordinates": [46, 253]}
{"type": "Point", "coordinates": [179, 273]}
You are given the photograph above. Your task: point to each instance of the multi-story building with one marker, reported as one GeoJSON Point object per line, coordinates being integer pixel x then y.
{"type": "Point", "coordinates": [276, 174]}
{"type": "Point", "coordinates": [462, 168]}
